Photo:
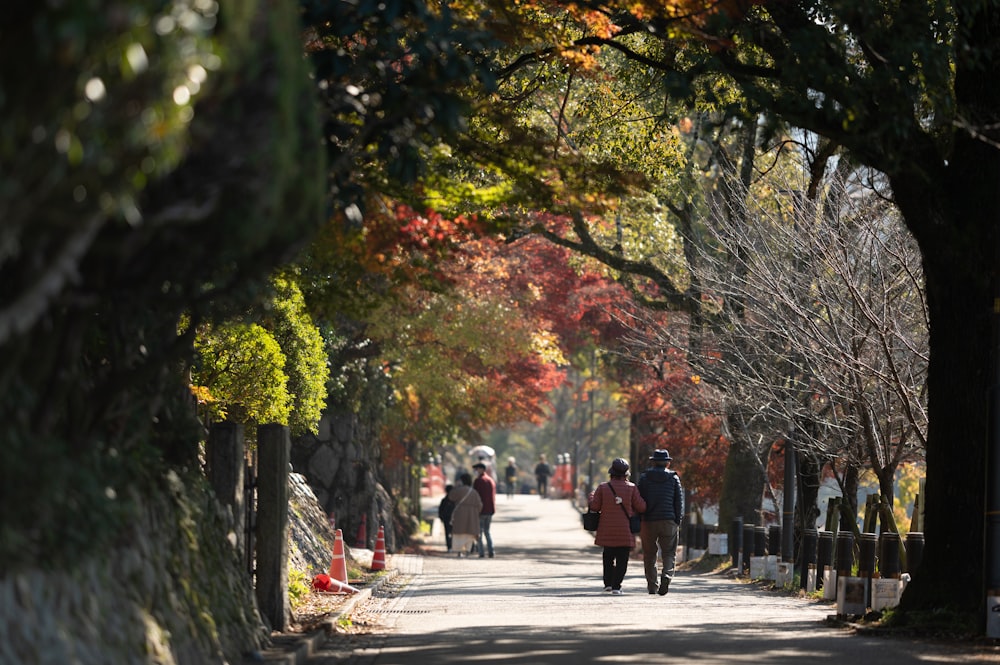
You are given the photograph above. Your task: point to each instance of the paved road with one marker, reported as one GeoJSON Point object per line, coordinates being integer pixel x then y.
{"type": "Point", "coordinates": [540, 601]}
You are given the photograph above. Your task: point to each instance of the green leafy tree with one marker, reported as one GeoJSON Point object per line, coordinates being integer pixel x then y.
{"type": "Point", "coordinates": [274, 370]}
{"type": "Point", "coordinates": [242, 369]}
{"type": "Point", "coordinates": [302, 344]}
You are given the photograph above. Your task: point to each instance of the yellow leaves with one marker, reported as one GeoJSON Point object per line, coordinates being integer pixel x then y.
{"type": "Point", "coordinates": [695, 379]}
{"type": "Point", "coordinates": [599, 24]}
{"type": "Point", "coordinates": [581, 58]}
{"type": "Point", "coordinates": [202, 394]}
{"type": "Point", "coordinates": [209, 403]}
{"type": "Point", "coordinates": [412, 399]}
{"type": "Point", "coordinates": [546, 345]}
{"type": "Point", "coordinates": [849, 117]}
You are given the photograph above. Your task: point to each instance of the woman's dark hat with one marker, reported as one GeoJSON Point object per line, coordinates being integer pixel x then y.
{"type": "Point", "coordinates": [660, 455]}
{"type": "Point", "coordinates": [620, 465]}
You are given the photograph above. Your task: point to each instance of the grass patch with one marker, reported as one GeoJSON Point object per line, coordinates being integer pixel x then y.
{"type": "Point", "coordinates": [707, 564]}
{"type": "Point", "coordinates": [941, 624]}
{"type": "Point", "coordinates": [299, 587]}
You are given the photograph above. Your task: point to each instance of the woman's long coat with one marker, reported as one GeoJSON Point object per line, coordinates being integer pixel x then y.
{"type": "Point", "coordinates": [468, 504]}
{"type": "Point", "coordinates": [612, 530]}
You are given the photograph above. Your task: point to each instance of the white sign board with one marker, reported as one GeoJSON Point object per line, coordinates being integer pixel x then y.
{"type": "Point", "coordinates": [886, 592]}
{"type": "Point", "coordinates": [718, 543]}
{"type": "Point", "coordinates": [852, 595]}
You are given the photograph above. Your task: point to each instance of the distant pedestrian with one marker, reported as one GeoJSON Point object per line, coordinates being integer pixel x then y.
{"type": "Point", "coordinates": [616, 500]}
{"type": "Point", "coordinates": [510, 477]}
{"type": "Point", "coordinates": [487, 489]}
{"type": "Point", "coordinates": [465, 518]}
{"type": "Point", "coordinates": [664, 496]}
{"type": "Point", "coordinates": [542, 473]}
{"type": "Point", "coordinates": [445, 511]}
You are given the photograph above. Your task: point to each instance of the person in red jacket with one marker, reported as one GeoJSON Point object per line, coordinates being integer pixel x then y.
{"type": "Point", "coordinates": [616, 500]}
{"type": "Point", "coordinates": [487, 489]}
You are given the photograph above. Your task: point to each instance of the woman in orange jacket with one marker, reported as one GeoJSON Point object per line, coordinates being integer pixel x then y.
{"type": "Point", "coordinates": [616, 500]}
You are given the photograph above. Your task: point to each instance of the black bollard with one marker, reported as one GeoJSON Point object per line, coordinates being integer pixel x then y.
{"type": "Point", "coordinates": [866, 554]}
{"type": "Point", "coordinates": [774, 539]}
{"type": "Point", "coordinates": [867, 548]}
{"type": "Point", "coordinates": [759, 541]}
{"type": "Point", "coordinates": [888, 558]}
{"type": "Point", "coordinates": [914, 551]}
{"type": "Point", "coordinates": [701, 536]}
{"type": "Point", "coordinates": [807, 557]}
{"type": "Point", "coordinates": [749, 544]}
{"type": "Point", "coordinates": [844, 555]}
{"type": "Point", "coordinates": [736, 540]}
{"type": "Point", "coordinates": [824, 556]}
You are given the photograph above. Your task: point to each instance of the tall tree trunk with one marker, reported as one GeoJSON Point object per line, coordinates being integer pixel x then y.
{"type": "Point", "coordinates": [957, 233]}
{"type": "Point", "coordinates": [743, 482]}
{"type": "Point", "coordinates": [809, 480]}
{"type": "Point", "coordinates": [950, 198]}
{"type": "Point", "coordinates": [957, 433]}
{"type": "Point", "coordinates": [956, 440]}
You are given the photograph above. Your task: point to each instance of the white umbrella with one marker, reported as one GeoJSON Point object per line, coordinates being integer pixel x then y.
{"type": "Point", "coordinates": [483, 451]}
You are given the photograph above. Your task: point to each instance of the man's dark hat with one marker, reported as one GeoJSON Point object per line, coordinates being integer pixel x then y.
{"type": "Point", "coordinates": [660, 455]}
{"type": "Point", "coordinates": [478, 465]}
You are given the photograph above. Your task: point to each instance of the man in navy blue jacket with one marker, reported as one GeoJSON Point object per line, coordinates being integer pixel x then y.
{"type": "Point", "coordinates": [661, 488]}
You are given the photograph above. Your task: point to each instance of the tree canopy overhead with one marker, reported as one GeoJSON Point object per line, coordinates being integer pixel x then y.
{"type": "Point", "coordinates": [170, 160]}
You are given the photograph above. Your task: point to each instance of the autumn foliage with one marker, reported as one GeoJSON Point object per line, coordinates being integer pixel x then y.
{"type": "Point", "coordinates": [674, 411]}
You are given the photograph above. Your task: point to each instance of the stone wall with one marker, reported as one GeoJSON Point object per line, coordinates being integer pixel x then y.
{"type": "Point", "coordinates": [311, 547]}
{"type": "Point", "coordinates": [174, 592]}
{"type": "Point", "coordinates": [342, 464]}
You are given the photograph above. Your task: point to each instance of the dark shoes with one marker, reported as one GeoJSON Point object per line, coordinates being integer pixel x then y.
{"type": "Point", "coordinates": [664, 586]}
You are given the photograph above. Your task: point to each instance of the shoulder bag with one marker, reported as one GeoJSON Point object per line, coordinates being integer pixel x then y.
{"type": "Point", "coordinates": [634, 521]}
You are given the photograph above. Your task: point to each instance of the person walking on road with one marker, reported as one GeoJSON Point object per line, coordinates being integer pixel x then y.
{"type": "Point", "coordinates": [616, 500]}
{"type": "Point", "coordinates": [664, 497]}
{"type": "Point", "coordinates": [542, 473]}
{"type": "Point", "coordinates": [465, 518]}
{"type": "Point", "coordinates": [510, 477]}
{"type": "Point", "coordinates": [445, 511]}
{"type": "Point", "coordinates": [487, 489]}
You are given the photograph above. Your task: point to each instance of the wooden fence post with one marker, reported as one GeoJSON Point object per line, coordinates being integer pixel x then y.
{"type": "Point", "coordinates": [225, 457]}
{"type": "Point", "coordinates": [274, 451]}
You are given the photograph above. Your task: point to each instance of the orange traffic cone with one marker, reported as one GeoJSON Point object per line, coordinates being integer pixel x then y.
{"type": "Point", "coordinates": [342, 587]}
{"type": "Point", "coordinates": [338, 566]}
{"type": "Point", "coordinates": [326, 583]}
{"type": "Point", "coordinates": [378, 559]}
